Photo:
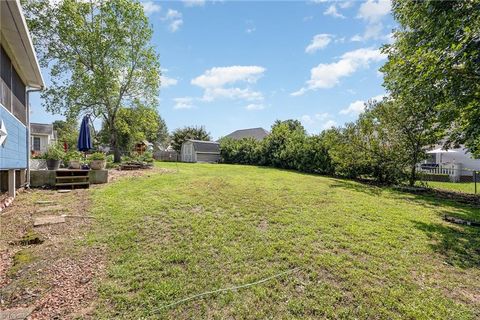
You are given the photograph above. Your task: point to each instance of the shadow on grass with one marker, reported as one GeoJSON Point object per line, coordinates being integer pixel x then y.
{"type": "Point", "coordinates": [357, 186]}
{"type": "Point", "coordinates": [460, 245]}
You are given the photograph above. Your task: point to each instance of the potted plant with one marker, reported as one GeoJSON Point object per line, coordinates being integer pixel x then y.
{"type": "Point", "coordinates": [72, 158]}
{"type": "Point", "coordinates": [98, 161]}
{"type": "Point", "coordinates": [54, 156]}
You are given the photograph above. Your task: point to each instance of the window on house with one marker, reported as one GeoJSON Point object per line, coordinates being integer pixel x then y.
{"type": "Point", "coordinates": [36, 144]}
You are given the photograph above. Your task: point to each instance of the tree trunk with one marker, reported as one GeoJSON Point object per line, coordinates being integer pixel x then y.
{"type": "Point", "coordinates": [411, 179]}
{"type": "Point", "coordinates": [117, 155]}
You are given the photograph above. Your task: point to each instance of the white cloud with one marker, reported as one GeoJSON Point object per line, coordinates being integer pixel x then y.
{"type": "Point", "coordinates": [215, 81]}
{"type": "Point", "coordinates": [328, 75]}
{"type": "Point", "coordinates": [220, 76]}
{"type": "Point", "coordinates": [329, 124]}
{"type": "Point", "coordinates": [194, 3]}
{"type": "Point", "coordinates": [318, 121]}
{"type": "Point", "coordinates": [332, 11]}
{"type": "Point", "coordinates": [150, 7]}
{"type": "Point", "coordinates": [357, 107]}
{"type": "Point", "coordinates": [374, 10]}
{"type": "Point", "coordinates": [254, 106]}
{"type": "Point", "coordinates": [183, 103]}
{"type": "Point", "coordinates": [212, 94]}
{"type": "Point", "coordinates": [173, 14]}
{"type": "Point", "coordinates": [167, 81]}
{"type": "Point", "coordinates": [319, 41]}
{"type": "Point", "coordinates": [372, 31]}
{"type": "Point", "coordinates": [174, 19]}
{"type": "Point", "coordinates": [346, 4]}
{"type": "Point", "coordinates": [250, 26]}
{"type": "Point", "coordinates": [175, 25]}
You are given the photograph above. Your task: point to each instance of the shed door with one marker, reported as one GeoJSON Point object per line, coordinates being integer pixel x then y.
{"type": "Point", "coordinates": [189, 152]}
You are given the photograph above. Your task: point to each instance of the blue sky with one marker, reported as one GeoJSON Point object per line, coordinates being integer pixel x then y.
{"type": "Point", "coordinates": [232, 65]}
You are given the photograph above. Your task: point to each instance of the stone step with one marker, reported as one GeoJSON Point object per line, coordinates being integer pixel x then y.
{"type": "Point", "coordinates": [50, 209]}
{"type": "Point", "coordinates": [41, 221]}
{"type": "Point", "coordinates": [16, 314]}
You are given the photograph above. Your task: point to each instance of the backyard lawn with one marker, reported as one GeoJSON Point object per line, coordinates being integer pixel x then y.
{"type": "Point", "coordinates": [352, 251]}
{"type": "Point", "coordinates": [464, 187]}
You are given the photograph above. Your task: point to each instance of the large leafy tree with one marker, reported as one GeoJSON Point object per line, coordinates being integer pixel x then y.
{"type": "Point", "coordinates": [435, 62]}
{"type": "Point", "coordinates": [100, 58]}
{"type": "Point", "coordinates": [179, 136]}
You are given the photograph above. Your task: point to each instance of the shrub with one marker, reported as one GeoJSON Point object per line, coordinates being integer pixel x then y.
{"type": "Point", "coordinates": [73, 155]}
{"type": "Point", "coordinates": [54, 152]}
{"type": "Point", "coordinates": [98, 156]}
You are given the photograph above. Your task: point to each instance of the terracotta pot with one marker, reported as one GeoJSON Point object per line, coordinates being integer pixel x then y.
{"type": "Point", "coordinates": [53, 164]}
{"type": "Point", "coordinates": [74, 164]}
{"type": "Point", "coordinates": [98, 164]}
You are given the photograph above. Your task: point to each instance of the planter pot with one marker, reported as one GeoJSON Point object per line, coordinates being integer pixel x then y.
{"type": "Point", "coordinates": [53, 164]}
{"type": "Point", "coordinates": [98, 164]}
{"type": "Point", "coordinates": [74, 164]}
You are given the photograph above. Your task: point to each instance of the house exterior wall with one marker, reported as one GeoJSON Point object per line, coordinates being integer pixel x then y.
{"type": "Point", "coordinates": [13, 153]}
{"type": "Point", "coordinates": [13, 111]}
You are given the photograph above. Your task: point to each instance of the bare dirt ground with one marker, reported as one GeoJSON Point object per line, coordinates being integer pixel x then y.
{"type": "Point", "coordinates": [46, 268]}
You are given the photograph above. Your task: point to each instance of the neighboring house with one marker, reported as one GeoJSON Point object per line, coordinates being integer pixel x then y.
{"type": "Point", "coordinates": [19, 75]}
{"type": "Point", "coordinates": [41, 137]}
{"type": "Point", "coordinates": [200, 151]}
{"type": "Point", "coordinates": [455, 164]}
{"type": "Point", "coordinates": [256, 133]}
{"type": "Point", "coordinates": [455, 156]}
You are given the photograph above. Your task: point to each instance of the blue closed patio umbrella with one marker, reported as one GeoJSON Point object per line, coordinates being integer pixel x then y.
{"type": "Point", "coordinates": [84, 139]}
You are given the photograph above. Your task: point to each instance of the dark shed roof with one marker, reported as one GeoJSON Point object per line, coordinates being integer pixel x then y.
{"type": "Point", "coordinates": [206, 146]}
{"type": "Point", "coordinates": [41, 128]}
{"type": "Point", "coordinates": [256, 133]}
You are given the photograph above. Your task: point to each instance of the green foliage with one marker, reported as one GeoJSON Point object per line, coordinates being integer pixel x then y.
{"type": "Point", "coordinates": [434, 63]}
{"type": "Point", "coordinates": [54, 152]}
{"type": "Point", "coordinates": [97, 156]}
{"type": "Point", "coordinates": [288, 146]}
{"type": "Point", "coordinates": [134, 125]}
{"type": "Point", "coordinates": [73, 155]}
{"type": "Point", "coordinates": [179, 136]}
{"type": "Point", "coordinates": [99, 55]}
{"type": "Point", "coordinates": [243, 151]}
{"type": "Point", "coordinates": [67, 132]}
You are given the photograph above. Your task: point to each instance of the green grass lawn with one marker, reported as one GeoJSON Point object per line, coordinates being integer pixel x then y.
{"type": "Point", "coordinates": [361, 252]}
{"type": "Point", "coordinates": [464, 187]}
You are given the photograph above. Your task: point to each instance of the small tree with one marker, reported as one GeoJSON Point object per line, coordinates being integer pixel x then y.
{"type": "Point", "coordinates": [179, 136]}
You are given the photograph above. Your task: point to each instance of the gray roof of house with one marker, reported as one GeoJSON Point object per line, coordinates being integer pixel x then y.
{"type": "Point", "coordinates": [41, 128]}
{"type": "Point", "coordinates": [256, 133]}
{"type": "Point", "coordinates": [205, 146]}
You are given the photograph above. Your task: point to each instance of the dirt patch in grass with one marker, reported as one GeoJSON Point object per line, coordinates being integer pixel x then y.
{"type": "Point", "coordinates": [115, 174]}
{"type": "Point", "coordinates": [51, 268]}
{"type": "Point", "coordinates": [45, 267]}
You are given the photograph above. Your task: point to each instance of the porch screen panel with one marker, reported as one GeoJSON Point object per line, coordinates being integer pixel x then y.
{"type": "Point", "coordinates": [18, 98]}
{"type": "Point", "coordinates": [5, 79]}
